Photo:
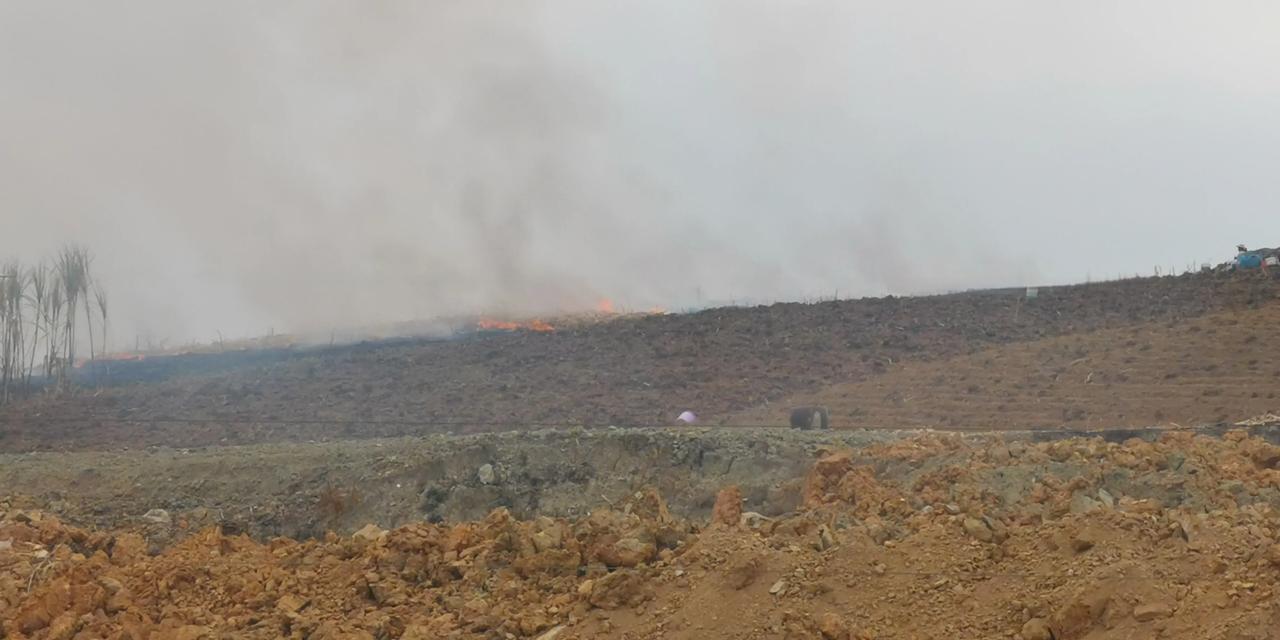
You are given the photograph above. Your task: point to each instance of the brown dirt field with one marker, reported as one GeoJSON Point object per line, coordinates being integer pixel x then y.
{"type": "Point", "coordinates": [629, 372]}
{"type": "Point", "coordinates": [1218, 368]}
{"type": "Point", "coordinates": [928, 537]}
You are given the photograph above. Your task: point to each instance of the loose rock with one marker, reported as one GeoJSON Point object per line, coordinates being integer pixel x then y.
{"type": "Point", "coordinates": [157, 516]}
{"type": "Point", "coordinates": [1036, 629]}
{"type": "Point", "coordinates": [978, 530]}
{"type": "Point", "coordinates": [1152, 611]}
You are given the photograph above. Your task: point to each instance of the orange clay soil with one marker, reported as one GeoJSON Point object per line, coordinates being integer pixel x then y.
{"type": "Point", "coordinates": [928, 537]}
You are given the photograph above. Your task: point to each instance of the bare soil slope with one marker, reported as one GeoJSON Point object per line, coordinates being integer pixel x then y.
{"type": "Point", "coordinates": [929, 537]}
{"type": "Point", "coordinates": [628, 372]}
{"type": "Point", "coordinates": [1217, 368]}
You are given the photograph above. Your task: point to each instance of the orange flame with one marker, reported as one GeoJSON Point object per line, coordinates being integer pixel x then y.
{"type": "Point", "coordinates": [489, 324]}
{"type": "Point", "coordinates": [537, 326]}
{"type": "Point", "coordinates": [540, 327]}
{"type": "Point", "coordinates": [605, 305]}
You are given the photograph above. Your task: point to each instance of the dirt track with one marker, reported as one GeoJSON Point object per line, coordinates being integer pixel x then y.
{"type": "Point", "coordinates": [628, 372]}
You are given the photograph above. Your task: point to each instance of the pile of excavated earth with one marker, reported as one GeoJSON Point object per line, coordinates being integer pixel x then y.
{"type": "Point", "coordinates": [931, 536]}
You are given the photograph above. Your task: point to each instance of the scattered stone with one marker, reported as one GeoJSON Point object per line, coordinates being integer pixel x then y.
{"type": "Point", "coordinates": [111, 584]}
{"type": "Point", "coordinates": [370, 532]}
{"type": "Point", "coordinates": [741, 574]}
{"type": "Point", "coordinates": [753, 520]}
{"type": "Point", "coordinates": [486, 474]}
{"type": "Point", "coordinates": [978, 530]}
{"type": "Point", "coordinates": [1036, 629]}
{"type": "Point", "coordinates": [1152, 611]}
{"type": "Point", "coordinates": [999, 532]}
{"type": "Point", "coordinates": [622, 588]}
{"type": "Point", "coordinates": [1081, 503]}
{"type": "Point", "coordinates": [1106, 498]}
{"type": "Point", "coordinates": [833, 627]}
{"type": "Point", "coordinates": [546, 540]}
{"type": "Point", "coordinates": [290, 604]}
{"type": "Point", "coordinates": [1081, 611]}
{"type": "Point", "coordinates": [552, 633]}
{"type": "Point", "coordinates": [158, 516]}
{"type": "Point", "coordinates": [878, 533]}
{"type": "Point", "coordinates": [777, 587]}
{"type": "Point", "coordinates": [119, 600]}
{"type": "Point", "coordinates": [1084, 540]}
{"type": "Point", "coordinates": [826, 538]}
{"type": "Point", "coordinates": [627, 552]}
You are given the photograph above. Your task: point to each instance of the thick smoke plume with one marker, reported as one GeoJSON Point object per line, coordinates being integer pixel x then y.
{"type": "Point", "coordinates": [305, 166]}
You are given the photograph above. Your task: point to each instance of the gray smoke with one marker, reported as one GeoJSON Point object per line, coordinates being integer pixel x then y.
{"type": "Point", "coordinates": [304, 166]}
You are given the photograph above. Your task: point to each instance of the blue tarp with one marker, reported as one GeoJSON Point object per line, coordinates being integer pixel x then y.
{"type": "Point", "coordinates": [1248, 261]}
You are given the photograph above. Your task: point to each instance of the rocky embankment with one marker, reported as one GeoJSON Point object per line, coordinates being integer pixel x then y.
{"type": "Point", "coordinates": [303, 490]}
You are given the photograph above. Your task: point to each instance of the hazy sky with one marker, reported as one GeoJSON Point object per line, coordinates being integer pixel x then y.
{"type": "Point", "coordinates": [237, 166]}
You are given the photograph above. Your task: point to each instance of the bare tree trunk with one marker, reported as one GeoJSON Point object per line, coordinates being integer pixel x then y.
{"type": "Point", "coordinates": [88, 323]}
{"type": "Point", "coordinates": [35, 343]}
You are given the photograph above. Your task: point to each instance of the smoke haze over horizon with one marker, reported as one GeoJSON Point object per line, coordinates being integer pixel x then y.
{"type": "Point", "coordinates": [242, 166]}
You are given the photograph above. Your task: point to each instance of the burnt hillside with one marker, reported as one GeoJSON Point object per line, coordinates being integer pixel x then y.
{"type": "Point", "coordinates": [628, 372]}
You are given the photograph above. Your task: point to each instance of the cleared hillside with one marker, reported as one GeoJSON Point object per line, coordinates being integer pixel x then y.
{"type": "Point", "coordinates": [1222, 367]}
{"type": "Point", "coordinates": [629, 372]}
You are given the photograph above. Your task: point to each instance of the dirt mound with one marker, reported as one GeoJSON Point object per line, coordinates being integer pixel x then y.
{"type": "Point", "coordinates": [933, 536]}
{"type": "Point", "coordinates": [497, 576]}
{"type": "Point", "coordinates": [1218, 368]}
{"type": "Point", "coordinates": [629, 372]}
{"type": "Point", "coordinates": [947, 537]}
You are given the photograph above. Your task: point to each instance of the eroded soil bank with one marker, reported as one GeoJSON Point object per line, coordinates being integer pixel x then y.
{"type": "Point", "coordinates": [927, 536]}
{"type": "Point", "coordinates": [302, 490]}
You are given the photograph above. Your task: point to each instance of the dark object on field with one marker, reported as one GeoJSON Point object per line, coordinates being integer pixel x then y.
{"type": "Point", "coordinates": [810, 418]}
